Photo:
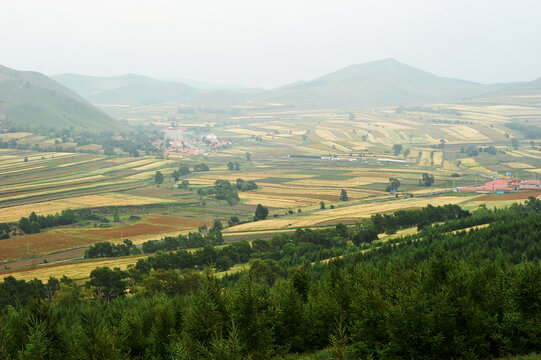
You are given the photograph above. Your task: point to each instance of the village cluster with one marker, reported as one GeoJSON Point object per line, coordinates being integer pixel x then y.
{"type": "Point", "coordinates": [181, 142]}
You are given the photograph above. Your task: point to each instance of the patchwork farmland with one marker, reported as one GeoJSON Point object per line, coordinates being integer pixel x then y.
{"type": "Point", "coordinates": [298, 161]}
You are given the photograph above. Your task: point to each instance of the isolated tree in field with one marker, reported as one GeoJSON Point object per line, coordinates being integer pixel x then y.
{"type": "Point", "coordinates": [218, 224]}
{"type": "Point", "coordinates": [344, 195]}
{"type": "Point", "coordinates": [237, 166]}
{"type": "Point", "coordinates": [532, 144]}
{"type": "Point", "coordinates": [261, 212]}
{"type": "Point", "coordinates": [248, 156]}
{"type": "Point", "coordinates": [230, 165]}
{"type": "Point", "coordinates": [515, 143]}
{"type": "Point", "coordinates": [4, 231]}
{"type": "Point", "coordinates": [26, 159]}
{"type": "Point", "coordinates": [158, 178]}
{"type": "Point", "coordinates": [394, 184]}
{"type": "Point", "coordinates": [233, 221]}
{"type": "Point", "coordinates": [183, 170]}
{"type": "Point", "coordinates": [427, 179]}
{"type": "Point", "coordinates": [364, 138]}
{"type": "Point", "coordinates": [201, 167]}
{"type": "Point", "coordinates": [406, 153]}
{"type": "Point", "coordinates": [442, 143]}
{"type": "Point", "coordinates": [175, 175]}
{"type": "Point", "coordinates": [397, 149]}
{"type": "Point", "coordinates": [322, 205]}
{"type": "Point", "coordinates": [184, 184]}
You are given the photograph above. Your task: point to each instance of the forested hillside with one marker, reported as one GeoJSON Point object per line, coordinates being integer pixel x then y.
{"type": "Point", "coordinates": [467, 285]}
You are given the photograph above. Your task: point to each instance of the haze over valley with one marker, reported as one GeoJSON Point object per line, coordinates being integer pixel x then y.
{"type": "Point", "coordinates": [248, 180]}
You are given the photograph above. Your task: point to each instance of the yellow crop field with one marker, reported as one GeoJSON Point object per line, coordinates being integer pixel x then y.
{"type": "Point", "coordinates": [247, 132]}
{"type": "Point", "coordinates": [438, 158]}
{"type": "Point", "coordinates": [272, 200]}
{"type": "Point", "coordinates": [91, 147]}
{"type": "Point", "coordinates": [75, 270]}
{"type": "Point", "coordinates": [345, 213]}
{"type": "Point", "coordinates": [425, 159]}
{"type": "Point", "coordinates": [469, 162]}
{"type": "Point", "coordinates": [448, 165]}
{"type": "Point", "coordinates": [336, 146]}
{"type": "Point", "coordinates": [61, 182]}
{"type": "Point", "coordinates": [465, 132]}
{"type": "Point", "coordinates": [14, 213]}
{"type": "Point", "coordinates": [327, 135]}
{"type": "Point", "coordinates": [357, 181]}
{"type": "Point", "coordinates": [154, 165]}
{"type": "Point", "coordinates": [64, 189]}
{"type": "Point", "coordinates": [518, 165]}
{"type": "Point", "coordinates": [3, 172]}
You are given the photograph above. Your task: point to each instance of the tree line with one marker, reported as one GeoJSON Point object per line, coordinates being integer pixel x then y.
{"type": "Point", "coordinates": [437, 294]}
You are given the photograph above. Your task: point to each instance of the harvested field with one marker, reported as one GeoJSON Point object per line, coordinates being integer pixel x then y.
{"type": "Point", "coordinates": [76, 270]}
{"type": "Point", "coordinates": [14, 213]}
{"type": "Point", "coordinates": [523, 195]}
{"type": "Point", "coordinates": [153, 226]}
{"type": "Point", "coordinates": [350, 213]}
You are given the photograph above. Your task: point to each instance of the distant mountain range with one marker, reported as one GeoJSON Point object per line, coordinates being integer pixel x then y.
{"type": "Point", "coordinates": [380, 83]}
{"type": "Point", "coordinates": [129, 89]}
{"type": "Point", "coordinates": [30, 100]}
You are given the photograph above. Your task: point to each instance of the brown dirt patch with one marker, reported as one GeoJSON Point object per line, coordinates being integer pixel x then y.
{"type": "Point", "coordinates": [509, 196]}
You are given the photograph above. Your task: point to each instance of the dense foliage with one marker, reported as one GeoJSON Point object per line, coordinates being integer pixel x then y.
{"type": "Point", "coordinates": [437, 294]}
{"type": "Point", "coordinates": [224, 190]}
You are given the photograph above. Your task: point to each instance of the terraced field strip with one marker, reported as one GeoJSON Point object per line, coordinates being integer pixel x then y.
{"type": "Point", "coordinates": [425, 159]}
{"type": "Point", "coordinates": [62, 189]}
{"type": "Point", "coordinates": [14, 213]}
{"type": "Point", "coordinates": [438, 158]}
{"type": "Point", "coordinates": [40, 184]}
{"type": "Point", "coordinates": [76, 270]}
{"type": "Point", "coordinates": [350, 212]}
{"type": "Point", "coordinates": [152, 227]}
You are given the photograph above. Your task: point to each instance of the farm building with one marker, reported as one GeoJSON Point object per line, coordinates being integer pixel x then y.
{"type": "Point", "coordinates": [210, 137]}
{"type": "Point", "coordinates": [174, 134]}
{"type": "Point", "coordinates": [503, 185]}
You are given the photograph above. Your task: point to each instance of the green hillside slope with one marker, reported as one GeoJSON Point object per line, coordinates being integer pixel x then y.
{"type": "Point", "coordinates": [30, 100]}
{"type": "Point", "coordinates": [129, 89]}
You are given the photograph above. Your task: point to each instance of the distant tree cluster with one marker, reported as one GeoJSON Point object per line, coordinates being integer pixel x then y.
{"type": "Point", "coordinates": [200, 167]}
{"type": "Point", "coordinates": [426, 179]}
{"type": "Point", "coordinates": [224, 190]}
{"type": "Point", "coordinates": [261, 212]}
{"type": "Point", "coordinates": [233, 166]}
{"type": "Point", "coordinates": [182, 171]}
{"type": "Point", "coordinates": [394, 184]}
{"type": "Point", "coordinates": [107, 249]}
{"type": "Point", "coordinates": [34, 223]}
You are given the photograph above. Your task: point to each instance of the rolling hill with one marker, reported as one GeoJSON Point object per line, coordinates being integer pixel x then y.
{"type": "Point", "coordinates": [380, 83]}
{"type": "Point", "coordinates": [385, 82]}
{"type": "Point", "coordinates": [129, 89]}
{"type": "Point", "coordinates": [30, 100]}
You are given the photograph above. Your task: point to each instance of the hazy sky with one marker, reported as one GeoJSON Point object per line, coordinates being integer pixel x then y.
{"type": "Point", "coordinates": [272, 42]}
